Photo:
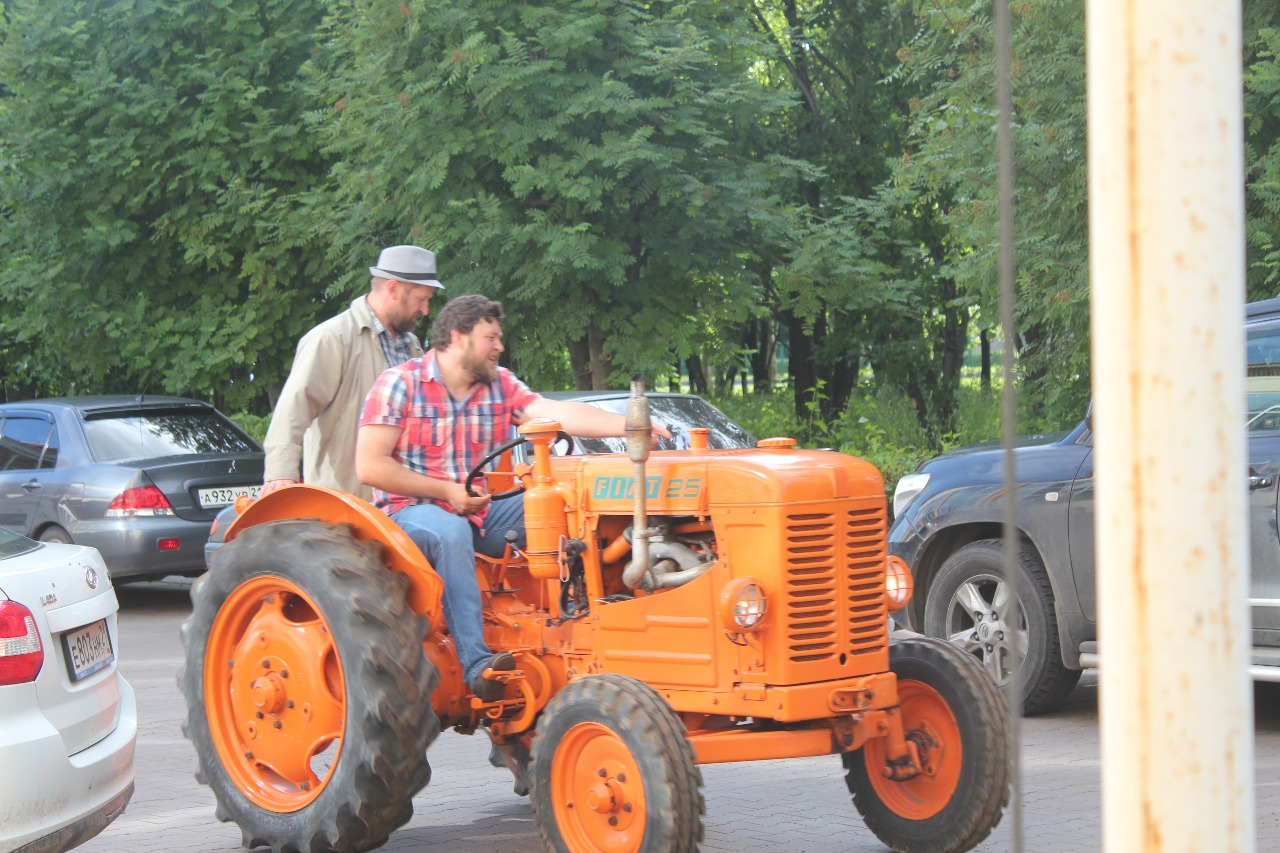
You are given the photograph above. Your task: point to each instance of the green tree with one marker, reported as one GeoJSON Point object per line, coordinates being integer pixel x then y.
{"type": "Point", "coordinates": [852, 277]}
{"type": "Point", "coordinates": [148, 153]}
{"type": "Point", "coordinates": [1262, 146]}
{"type": "Point", "coordinates": [580, 160]}
{"type": "Point", "coordinates": [952, 167]}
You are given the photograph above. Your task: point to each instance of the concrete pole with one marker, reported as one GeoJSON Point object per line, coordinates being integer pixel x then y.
{"type": "Point", "coordinates": [1166, 233]}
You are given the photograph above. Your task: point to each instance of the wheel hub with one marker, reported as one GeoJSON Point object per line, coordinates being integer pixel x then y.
{"type": "Point", "coordinates": [269, 693]}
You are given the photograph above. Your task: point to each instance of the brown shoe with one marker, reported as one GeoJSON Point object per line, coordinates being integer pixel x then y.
{"type": "Point", "coordinates": [487, 689]}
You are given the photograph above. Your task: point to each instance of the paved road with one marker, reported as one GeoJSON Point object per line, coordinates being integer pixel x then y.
{"type": "Point", "coordinates": [795, 806]}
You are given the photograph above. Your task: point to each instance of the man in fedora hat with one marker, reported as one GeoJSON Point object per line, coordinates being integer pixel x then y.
{"type": "Point", "coordinates": [313, 427]}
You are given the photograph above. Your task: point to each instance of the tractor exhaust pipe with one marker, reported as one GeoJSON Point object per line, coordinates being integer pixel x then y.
{"type": "Point", "coordinates": [639, 428]}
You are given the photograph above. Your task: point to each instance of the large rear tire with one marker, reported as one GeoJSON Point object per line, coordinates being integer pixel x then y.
{"type": "Point", "coordinates": [954, 714]}
{"type": "Point", "coordinates": [308, 692]}
{"type": "Point", "coordinates": [612, 770]}
{"type": "Point", "coordinates": [970, 604]}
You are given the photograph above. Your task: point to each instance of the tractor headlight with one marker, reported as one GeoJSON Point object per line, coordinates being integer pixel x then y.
{"type": "Point", "coordinates": [898, 583]}
{"type": "Point", "coordinates": [743, 605]}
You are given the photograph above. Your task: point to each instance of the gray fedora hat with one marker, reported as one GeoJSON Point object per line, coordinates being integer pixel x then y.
{"type": "Point", "coordinates": [407, 263]}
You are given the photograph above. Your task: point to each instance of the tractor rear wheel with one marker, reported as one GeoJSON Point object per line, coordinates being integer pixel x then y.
{"type": "Point", "coordinates": [308, 692]}
{"type": "Point", "coordinates": [612, 770]}
{"type": "Point", "coordinates": [954, 714]}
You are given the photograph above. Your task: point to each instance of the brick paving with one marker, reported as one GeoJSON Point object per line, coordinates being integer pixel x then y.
{"type": "Point", "coordinates": [796, 806]}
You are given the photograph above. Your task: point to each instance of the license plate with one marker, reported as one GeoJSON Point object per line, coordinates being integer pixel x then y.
{"type": "Point", "coordinates": [210, 498]}
{"type": "Point", "coordinates": [88, 649]}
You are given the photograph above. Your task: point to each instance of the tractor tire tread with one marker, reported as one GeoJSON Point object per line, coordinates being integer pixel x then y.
{"type": "Point", "coordinates": [389, 718]}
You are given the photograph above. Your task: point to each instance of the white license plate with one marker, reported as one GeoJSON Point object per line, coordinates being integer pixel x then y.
{"type": "Point", "coordinates": [210, 498]}
{"type": "Point", "coordinates": [88, 649]}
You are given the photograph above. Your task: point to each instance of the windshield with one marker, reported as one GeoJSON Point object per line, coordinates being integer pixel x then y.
{"type": "Point", "coordinates": [677, 414]}
{"type": "Point", "coordinates": [143, 435]}
{"type": "Point", "coordinates": [12, 544]}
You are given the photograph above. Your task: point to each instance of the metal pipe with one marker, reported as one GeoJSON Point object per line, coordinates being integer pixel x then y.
{"type": "Point", "coordinates": [1166, 227]}
{"type": "Point", "coordinates": [639, 428]}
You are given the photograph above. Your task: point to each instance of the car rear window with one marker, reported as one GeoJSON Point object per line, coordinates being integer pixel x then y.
{"type": "Point", "coordinates": [117, 436]}
{"type": "Point", "coordinates": [12, 544]}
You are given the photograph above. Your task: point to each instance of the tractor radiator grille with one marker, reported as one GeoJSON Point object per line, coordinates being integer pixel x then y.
{"type": "Point", "coordinates": [864, 580]}
{"type": "Point", "coordinates": [834, 584]}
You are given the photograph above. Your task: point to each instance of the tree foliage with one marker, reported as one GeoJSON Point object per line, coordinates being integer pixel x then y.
{"type": "Point", "coordinates": [578, 160]}
{"type": "Point", "coordinates": [149, 152]}
{"type": "Point", "coordinates": [187, 186]}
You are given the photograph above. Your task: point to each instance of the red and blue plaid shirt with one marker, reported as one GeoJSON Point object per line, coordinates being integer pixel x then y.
{"type": "Point", "coordinates": [439, 436]}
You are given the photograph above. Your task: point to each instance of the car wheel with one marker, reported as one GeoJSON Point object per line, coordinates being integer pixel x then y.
{"type": "Point", "coordinates": [54, 533]}
{"type": "Point", "coordinates": [970, 604]}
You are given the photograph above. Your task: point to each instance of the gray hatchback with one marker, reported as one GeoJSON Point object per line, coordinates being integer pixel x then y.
{"type": "Point", "coordinates": [138, 478]}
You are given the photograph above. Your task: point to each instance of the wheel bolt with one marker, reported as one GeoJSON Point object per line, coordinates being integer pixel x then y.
{"type": "Point", "coordinates": [288, 703]}
{"type": "Point", "coordinates": [626, 807]}
{"type": "Point", "coordinates": [306, 786]}
{"type": "Point", "coordinates": [622, 777]}
{"type": "Point", "coordinates": [249, 755]}
{"type": "Point", "coordinates": [601, 773]}
{"type": "Point", "coordinates": [260, 714]}
{"type": "Point", "coordinates": [284, 673]}
{"type": "Point", "coordinates": [613, 820]}
{"type": "Point", "coordinates": [278, 724]}
{"type": "Point", "coordinates": [266, 664]}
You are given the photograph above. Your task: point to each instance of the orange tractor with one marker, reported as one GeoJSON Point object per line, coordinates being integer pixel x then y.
{"type": "Point", "coordinates": [670, 610]}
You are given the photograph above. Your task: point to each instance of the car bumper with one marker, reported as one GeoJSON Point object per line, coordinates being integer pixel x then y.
{"type": "Point", "coordinates": [59, 800]}
{"type": "Point", "coordinates": [131, 546]}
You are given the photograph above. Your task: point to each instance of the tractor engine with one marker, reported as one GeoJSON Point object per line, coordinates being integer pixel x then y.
{"type": "Point", "coordinates": [738, 575]}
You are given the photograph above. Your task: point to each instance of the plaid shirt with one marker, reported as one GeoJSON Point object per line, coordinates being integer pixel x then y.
{"type": "Point", "coordinates": [397, 348]}
{"type": "Point", "coordinates": [439, 436]}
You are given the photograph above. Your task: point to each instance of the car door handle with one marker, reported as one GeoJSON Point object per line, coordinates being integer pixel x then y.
{"type": "Point", "coordinates": [31, 485]}
{"type": "Point", "coordinates": [1258, 482]}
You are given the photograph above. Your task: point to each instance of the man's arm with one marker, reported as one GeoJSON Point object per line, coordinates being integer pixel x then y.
{"type": "Point", "coordinates": [311, 386]}
{"type": "Point", "coordinates": [377, 467]}
{"type": "Point", "coordinates": [583, 420]}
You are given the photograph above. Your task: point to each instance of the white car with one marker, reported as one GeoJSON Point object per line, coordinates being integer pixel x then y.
{"type": "Point", "coordinates": [68, 720]}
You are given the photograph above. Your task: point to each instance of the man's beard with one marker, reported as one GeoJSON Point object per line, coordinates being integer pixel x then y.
{"type": "Point", "coordinates": [482, 370]}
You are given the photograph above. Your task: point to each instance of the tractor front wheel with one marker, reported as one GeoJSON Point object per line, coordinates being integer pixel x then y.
{"type": "Point", "coordinates": [955, 716]}
{"type": "Point", "coordinates": [612, 770]}
{"type": "Point", "coordinates": [308, 692]}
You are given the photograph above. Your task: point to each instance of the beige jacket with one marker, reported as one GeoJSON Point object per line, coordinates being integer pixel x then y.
{"type": "Point", "coordinates": [318, 413]}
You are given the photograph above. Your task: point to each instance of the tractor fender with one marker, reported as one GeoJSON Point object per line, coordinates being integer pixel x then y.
{"type": "Point", "coordinates": [399, 553]}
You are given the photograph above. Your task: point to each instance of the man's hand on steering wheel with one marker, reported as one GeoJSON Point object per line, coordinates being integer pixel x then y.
{"type": "Point", "coordinates": [465, 503]}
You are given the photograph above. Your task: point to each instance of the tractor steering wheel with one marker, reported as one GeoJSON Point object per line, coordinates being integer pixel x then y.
{"type": "Point", "coordinates": [478, 471]}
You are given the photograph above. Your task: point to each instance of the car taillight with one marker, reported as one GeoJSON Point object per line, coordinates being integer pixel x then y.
{"type": "Point", "coordinates": [139, 501]}
{"type": "Point", "coordinates": [21, 653]}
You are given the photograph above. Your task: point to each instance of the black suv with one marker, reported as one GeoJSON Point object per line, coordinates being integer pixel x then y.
{"type": "Point", "coordinates": [948, 526]}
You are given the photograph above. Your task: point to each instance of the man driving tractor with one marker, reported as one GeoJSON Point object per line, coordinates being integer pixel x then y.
{"type": "Point", "coordinates": [429, 421]}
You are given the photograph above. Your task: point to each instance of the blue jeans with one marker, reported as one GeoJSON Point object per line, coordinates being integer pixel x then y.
{"type": "Point", "coordinates": [449, 543]}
